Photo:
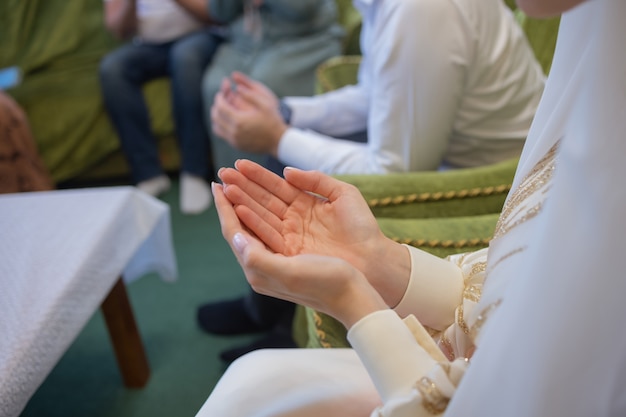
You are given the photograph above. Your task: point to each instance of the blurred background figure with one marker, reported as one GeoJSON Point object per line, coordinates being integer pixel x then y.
{"type": "Point", "coordinates": [278, 42]}
{"type": "Point", "coordinates": [166, 38]}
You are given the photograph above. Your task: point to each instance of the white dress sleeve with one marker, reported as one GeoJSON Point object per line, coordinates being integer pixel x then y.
{"type": "Point", "coordinates": [434, 291]}
{"type": "Point", "coordinates": [420, 370]}
{"type": "Point", "coordinates": [413, 378]}
{"type": "Point", "coordinates": [336, 113]}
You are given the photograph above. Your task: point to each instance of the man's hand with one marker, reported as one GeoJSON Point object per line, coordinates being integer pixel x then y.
{"type": "Point", "coordinates": [245, 113]}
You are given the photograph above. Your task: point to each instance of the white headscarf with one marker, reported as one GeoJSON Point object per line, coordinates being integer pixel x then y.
{"type": "Point", "coordinates": [556, 346]}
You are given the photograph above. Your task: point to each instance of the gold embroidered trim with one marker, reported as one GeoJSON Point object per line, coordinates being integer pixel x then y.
{"type": "Point", "coordinates": [530, 214]}
{"type": "Point", "coordinates": [472, 293]}
{"type": "Point", "coordinates": [461, 320]}
{"type": "Point", "coordinates": [504, 257]}
{"type": "Point", "coordinates": [439, 196]}
{"type": "Point", "coordinates": [433, 400]}
{"type": "Point", "coordinates": [420, 243]}
{"type": "Point", "coordinates": [536, 179]}
{"type": "Point", "coordinates": [477, 268]}
{"type": "Point", "coordinates": [482, 318]}
{"type": "Point", "coordinates": [446, 347]}
{"type": "Point", "coordinates": [461, 259]}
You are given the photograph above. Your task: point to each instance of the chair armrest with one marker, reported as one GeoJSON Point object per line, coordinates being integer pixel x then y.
{"type": "Point", "coordinates": [426, 194]}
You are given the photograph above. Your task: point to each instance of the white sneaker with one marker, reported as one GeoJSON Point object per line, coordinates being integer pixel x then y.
{"type": "Point", "coordinates": [155, 186]}
{"type": "Point", "coordinates": [195, 194]}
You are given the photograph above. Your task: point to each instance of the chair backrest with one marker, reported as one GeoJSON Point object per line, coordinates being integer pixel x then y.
{"type": "Point", "coordinates": [350, 19]}
{"type": "Point", "coordinates": [541, 34]}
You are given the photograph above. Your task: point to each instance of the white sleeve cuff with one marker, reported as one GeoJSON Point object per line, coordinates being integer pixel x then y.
{"type": "Point", "coordinates": [305, 111]}
{"type": "Point", "coordinates": [300, 148]}
{"type": "Point", "coordinates": [389, 352]}
{"type": "Point", "coordinates": [434, 291]}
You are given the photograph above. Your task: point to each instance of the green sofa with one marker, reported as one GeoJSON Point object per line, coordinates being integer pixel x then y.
{"type": "Point", "coordinates": [439, 212]}
{"type": "Point", "coordinates": [57, 45]}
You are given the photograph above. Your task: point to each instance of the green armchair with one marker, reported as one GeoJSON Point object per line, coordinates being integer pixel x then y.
{"type": "Point", "coordinates": [439, 212]}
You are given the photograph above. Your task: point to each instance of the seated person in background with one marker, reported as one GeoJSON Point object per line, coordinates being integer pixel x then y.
{"type": "Point", "coordinates": [278, 42]}
{"type": "Point", "coordinates": [167, 38]}
{"type": "Point", "coordinates": [441, 84]}
{"type": "Point", "coordinates": [281, 43]}
{"type": "Point", "coordinates": [547, 292]}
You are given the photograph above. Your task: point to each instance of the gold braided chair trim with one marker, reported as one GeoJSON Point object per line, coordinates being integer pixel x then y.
{"type": "Point", "coordinates": [439, 196]}
{"type": "Point", "coordinates": [421, 243]}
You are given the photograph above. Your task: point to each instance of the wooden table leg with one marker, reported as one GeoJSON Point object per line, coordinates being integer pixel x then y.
{"type": "Point", "coordinates": [129, 350]}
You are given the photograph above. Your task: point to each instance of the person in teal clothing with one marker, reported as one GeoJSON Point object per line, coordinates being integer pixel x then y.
{"type": "Point", "coordinates": [279, 43]}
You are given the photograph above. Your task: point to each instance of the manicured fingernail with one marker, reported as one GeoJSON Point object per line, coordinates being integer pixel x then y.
{"type": "Point", "coordinates": [240, 242]}
{"type": "Point", "coordinates": [291, 169]}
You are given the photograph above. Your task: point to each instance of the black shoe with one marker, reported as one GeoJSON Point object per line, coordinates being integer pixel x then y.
{"type": "Point", "coordinates": [274, 339]}
{"type": "Point", "coordinates": [228, 318]}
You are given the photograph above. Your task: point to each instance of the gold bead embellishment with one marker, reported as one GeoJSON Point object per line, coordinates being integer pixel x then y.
{"type": "Point", "coordinates": [433, 400]}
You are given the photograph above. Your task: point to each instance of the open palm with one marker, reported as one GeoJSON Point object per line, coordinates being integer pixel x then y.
{"type": "Point", "coordinates": [307, 213]}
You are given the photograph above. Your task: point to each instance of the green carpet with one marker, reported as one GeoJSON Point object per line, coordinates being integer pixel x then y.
{"type": "Point", "coordinates": [184, 361]}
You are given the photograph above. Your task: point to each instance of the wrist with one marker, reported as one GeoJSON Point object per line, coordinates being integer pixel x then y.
{"type": "Point", "coordinates": [277, 134]}
{"type": "Point", "coordinates": [285, 111]}
{"type": "Point", "coordinates": [390, 271]}
{"type": "Point", "coordinates": [360, 301]}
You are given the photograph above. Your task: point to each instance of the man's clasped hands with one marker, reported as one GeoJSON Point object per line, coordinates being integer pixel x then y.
{"type": "Point", "coordinates": [245, 113]}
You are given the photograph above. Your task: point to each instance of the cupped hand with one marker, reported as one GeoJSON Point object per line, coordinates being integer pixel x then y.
{"type": "Point", "coordinates": [307, 212]}
{"type": "Point", "coordinates": [312, 213]}
{"type": "Point", "coordinates": [327, 284]}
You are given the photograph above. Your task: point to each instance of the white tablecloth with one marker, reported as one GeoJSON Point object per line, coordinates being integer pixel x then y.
{"type": "Point", "coordinates": [60, 254]}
